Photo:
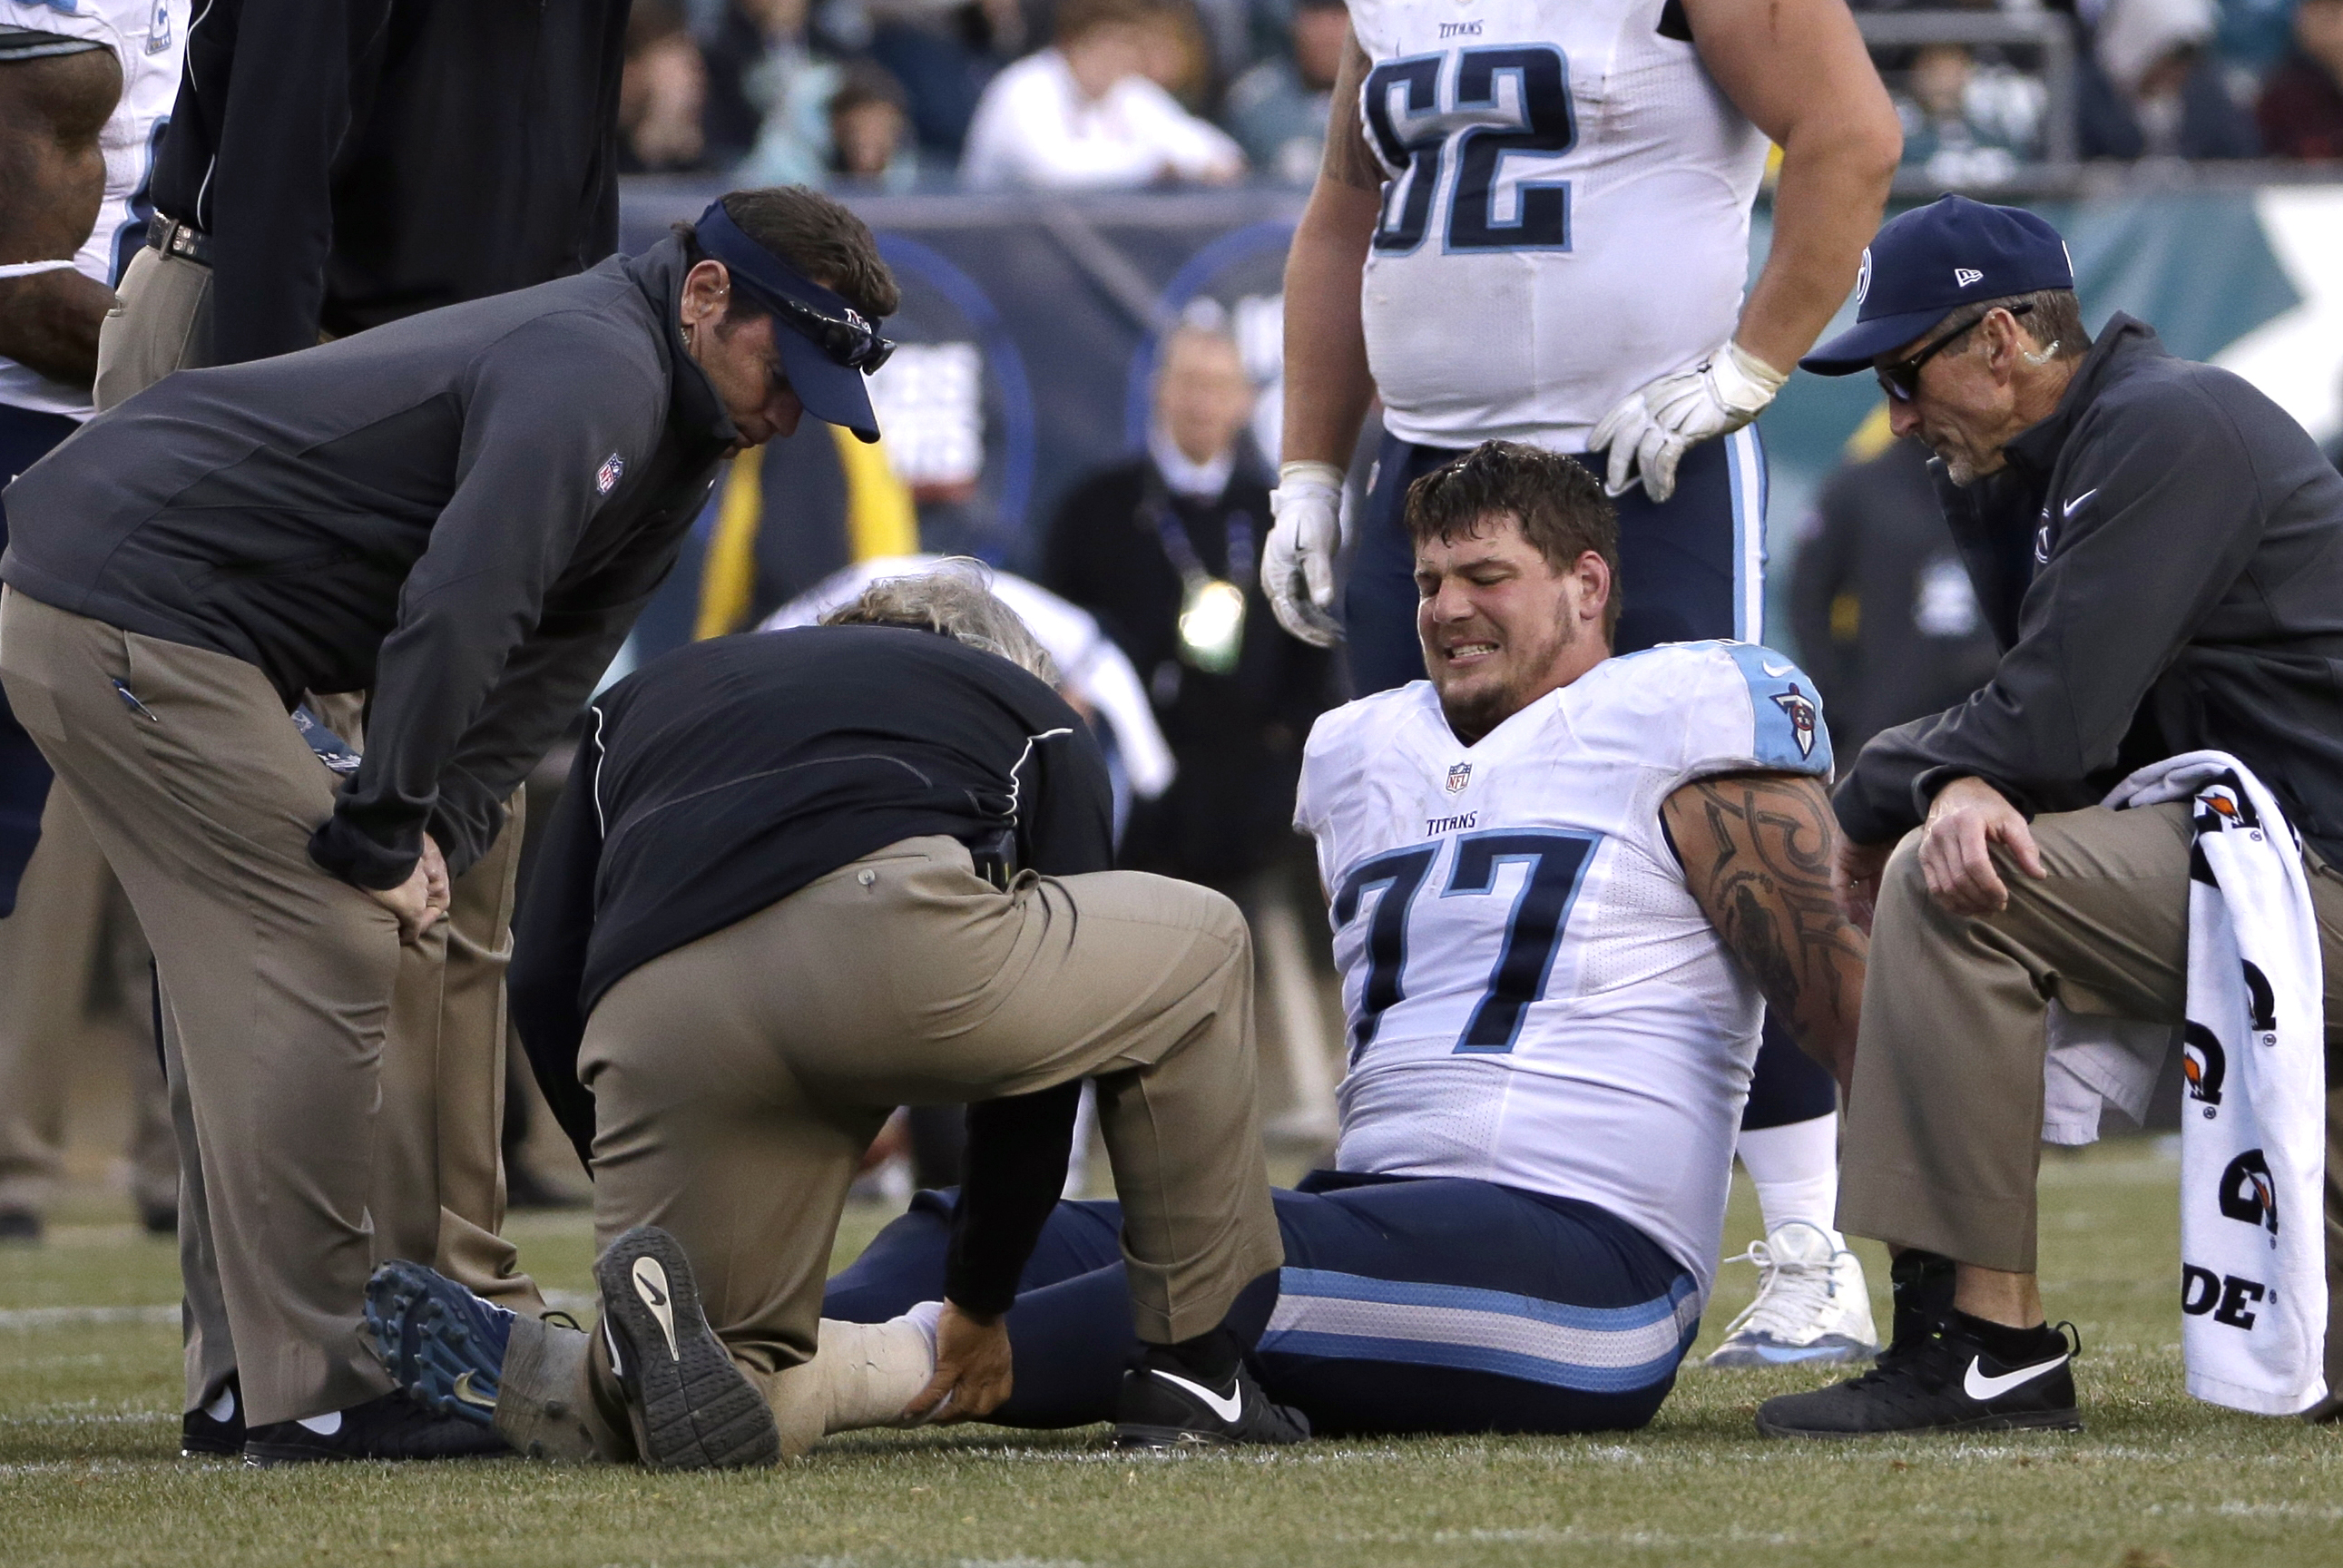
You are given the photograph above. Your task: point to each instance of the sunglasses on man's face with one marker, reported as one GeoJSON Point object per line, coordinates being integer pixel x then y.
{"type": "Point", "coordinates": [1901, 380]}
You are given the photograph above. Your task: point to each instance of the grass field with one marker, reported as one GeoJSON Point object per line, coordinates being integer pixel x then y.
{"type": "Point", "coordinates": [88, 1426]}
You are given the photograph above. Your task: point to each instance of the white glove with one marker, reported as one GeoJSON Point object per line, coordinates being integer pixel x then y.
{"type": "Point", "coordinates": [1652, 427]}
{"type": "Point", "coordinates": [1297, 568]}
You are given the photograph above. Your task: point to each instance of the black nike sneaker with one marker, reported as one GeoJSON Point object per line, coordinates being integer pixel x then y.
{"type": "Point", "coordinates": [1164, 1404]}
{"type": "Point", "coordinates": [690, 1407]}
{"type": "Point", "coordinates": [443, 1345]}
{"type": "Point", "coordinates": [215, 1430]}
{"type": "Point", "coordinates": [1946, 1380]}
{"type": "Point", "coordinates": [389, 1426]}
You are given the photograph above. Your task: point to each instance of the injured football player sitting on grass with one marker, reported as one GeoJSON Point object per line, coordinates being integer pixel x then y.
{"type": "Point", "coordinates": [1565, 887]}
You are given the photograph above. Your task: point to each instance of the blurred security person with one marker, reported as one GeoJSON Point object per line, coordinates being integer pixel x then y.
{"type": "Point", "coordinates": [333, 166]}
{"type": "Point", "coordinates": [1533, 225]}
{"type": "Point", "coordinates": [2159, 550]}
{"type": "Point", "coordinates": [460, 512]}
{"type": "Point", "coordinates": [1163, 547]}
{"type": "Point", "coordinates": [85, 91]}
{"type": "Point", "coordinates": [795, 879]}
{"type": "Point", "coordinates": [1884, 617]}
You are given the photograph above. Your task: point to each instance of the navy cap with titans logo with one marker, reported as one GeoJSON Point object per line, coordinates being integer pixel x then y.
{"type": "Point", "coordinates": [1927, 263]}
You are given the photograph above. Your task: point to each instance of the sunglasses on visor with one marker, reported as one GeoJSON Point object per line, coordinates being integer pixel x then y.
{"type": "Point", "coordinates": [1901, 380]}
{"type": "Point", "coordinates": [853, 344]}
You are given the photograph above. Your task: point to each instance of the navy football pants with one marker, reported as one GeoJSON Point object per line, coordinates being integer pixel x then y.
{"type": "Point", "coordinates": [25, 437]}
{"type": "Point", "coordinates": [1690, 569]}
{"type": "Point", "coordinates": [1405, 1305]}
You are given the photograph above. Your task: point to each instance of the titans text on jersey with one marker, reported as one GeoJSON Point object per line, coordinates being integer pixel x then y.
{"type": "Point", "coordinates": [1535, 996]}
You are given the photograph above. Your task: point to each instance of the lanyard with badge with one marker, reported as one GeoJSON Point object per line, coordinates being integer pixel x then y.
{"type": "Point", "coordinates": [1212, 609]}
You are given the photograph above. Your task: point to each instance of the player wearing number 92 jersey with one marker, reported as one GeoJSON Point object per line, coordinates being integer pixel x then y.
{"type": "Point", "coordinates": [1569, 191]}
{"type": "Point", "coordinates": [1537, 998]}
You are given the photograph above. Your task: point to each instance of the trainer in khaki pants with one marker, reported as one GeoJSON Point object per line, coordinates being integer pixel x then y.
{"type": "Point", "coordinates": [795, 880]}
{"type": "Point", "coordinates": [737, 1081]}
{"type": "Point", "coordinates": [2158, 549]}
{"type": "Point", "coordinates": [202, 798]}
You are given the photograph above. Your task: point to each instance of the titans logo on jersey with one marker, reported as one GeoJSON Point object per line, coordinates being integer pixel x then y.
{"type": "Point", "coordinates": [1535, 996]}
{"type": "Point", "coordinates": [1567, 170]}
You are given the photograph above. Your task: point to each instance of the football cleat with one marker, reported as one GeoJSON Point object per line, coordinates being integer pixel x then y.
{"type": "Point", "coordinates": [690, 1407]}
{"type": "Point", "coordinates": [442, 1345]}
{"type": "Point", "coordinates": [1812, 1307]}
{"type": "Point", "coordinates": [1164, 1404]}
{"type": "Point", "coordinates": [1944, 1380]}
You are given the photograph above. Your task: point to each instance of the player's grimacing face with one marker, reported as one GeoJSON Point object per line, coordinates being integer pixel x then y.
{"type": "Point", "coordinates": [1500, 625]}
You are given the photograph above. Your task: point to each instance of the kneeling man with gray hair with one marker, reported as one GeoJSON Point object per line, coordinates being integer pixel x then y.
{"type": "Point", "coordinates": [798, 879]}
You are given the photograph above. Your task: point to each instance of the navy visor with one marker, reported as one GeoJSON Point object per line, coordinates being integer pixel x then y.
{"type": "Point", "coordinates": [829, 347]}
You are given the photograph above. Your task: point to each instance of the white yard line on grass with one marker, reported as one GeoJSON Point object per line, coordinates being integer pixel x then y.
{"type": "Point", "coordinates": [21, 1318]}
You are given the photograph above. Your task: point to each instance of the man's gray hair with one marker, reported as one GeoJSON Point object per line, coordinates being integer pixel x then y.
{"type": "Point", "coordinates": [953, 598]}
{"type": "Point", "coordinates": [2053, 318]}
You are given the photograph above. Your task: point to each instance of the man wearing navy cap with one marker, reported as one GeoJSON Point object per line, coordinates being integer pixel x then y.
{"type": "Point", "coordinates": [460, 512]}
{"type": "Point", "coordinates": [2159, 550]}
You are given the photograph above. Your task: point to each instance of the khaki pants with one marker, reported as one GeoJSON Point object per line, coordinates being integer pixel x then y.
{"type": "Point", "coordinates": [439, 1180]}
{"type": "Point", "coordinates": [276, 979]}
{"type": "Point", "coordinates": [164, 323]}
{"type": "Point", "coordinates": [72, 944]}
{"type": "Point", "coordinates": [738, 1078]}
{"type": "Point", "coordinates": [1944, 1124]}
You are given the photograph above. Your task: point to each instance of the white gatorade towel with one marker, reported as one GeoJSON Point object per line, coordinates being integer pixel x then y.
{"type": "Point", "coordinates": [2252, 1133]}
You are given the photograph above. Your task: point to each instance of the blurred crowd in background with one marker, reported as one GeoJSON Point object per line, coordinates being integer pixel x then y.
{"type": "Point", "coordinates": [903, 95]}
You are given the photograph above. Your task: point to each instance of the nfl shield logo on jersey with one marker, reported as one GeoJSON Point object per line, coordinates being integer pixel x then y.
{"type": "Point", "coordinates": [1458, 776]}
{"type": "Point", "coordinates": [1800, 710]}
{"type": "Point", "coordinates": [607, 474]}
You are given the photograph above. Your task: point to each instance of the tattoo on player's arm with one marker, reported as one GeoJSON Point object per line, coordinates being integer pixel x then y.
{"type": "Point", "coordinates": [1348, 159]}
{"type": "Point", "coordinates": [1757, 851]}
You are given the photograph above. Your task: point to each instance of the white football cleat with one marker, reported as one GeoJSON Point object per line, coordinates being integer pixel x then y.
{"type": "Point", "coordinates": [1813, 1307]}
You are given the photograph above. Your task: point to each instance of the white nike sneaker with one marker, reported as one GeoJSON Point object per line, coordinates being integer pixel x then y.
{"type": "Point", "coordinates": [1812, 1307]}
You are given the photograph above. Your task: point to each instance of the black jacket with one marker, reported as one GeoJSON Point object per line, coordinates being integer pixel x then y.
{"type": "Point", "coordinates": [2162, 564]}
{"type": "Point", "coordinates": [355, 161]}
{"type": "Point", "coordinates": [1238, 737]}
{"type": "Point", "coordinates": [461, 511]}
{"type": "Point", "coordinates": [722, 778]}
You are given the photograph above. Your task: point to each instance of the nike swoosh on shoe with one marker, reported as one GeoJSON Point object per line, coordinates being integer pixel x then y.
{"type": "Point", "coordinates": [1984, 1388]}
{"type": "Point", "coordinates": [1227, 1406]}
{"type": "Point", "coordinates": [468, 1394]}
{"type": "Point", "coordinates": [651, 1284]}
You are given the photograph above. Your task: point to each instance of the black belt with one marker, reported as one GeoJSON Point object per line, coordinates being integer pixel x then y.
{"type": "Point", "coordinates": [175, 239]}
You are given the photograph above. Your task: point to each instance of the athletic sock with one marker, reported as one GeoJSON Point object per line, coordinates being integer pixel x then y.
{"type": "Point", "coordinates": [1923, 1286]}
{"type": "Point", "coordinates": [1794, 1169]}
{"type": "Point", "coordinates": [1213, 1356]}
{"type": "Point", "coordinates": [2009, 1346]}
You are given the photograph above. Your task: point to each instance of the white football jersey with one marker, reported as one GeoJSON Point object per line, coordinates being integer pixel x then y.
{"type": "Point", "coordinates": [1535, 996]}
{"type": "Point", "coordinates": [1566, 217]}
{"type": "Point", "coordinates": [148, 38]}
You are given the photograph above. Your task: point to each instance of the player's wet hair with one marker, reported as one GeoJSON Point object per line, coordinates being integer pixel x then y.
{"type": "Point", "coordinates": [954, 598]}
{"type": "Point", "coordinates": [814, 234]}
{"type": "Point", "coordinates": [1558, 501]}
